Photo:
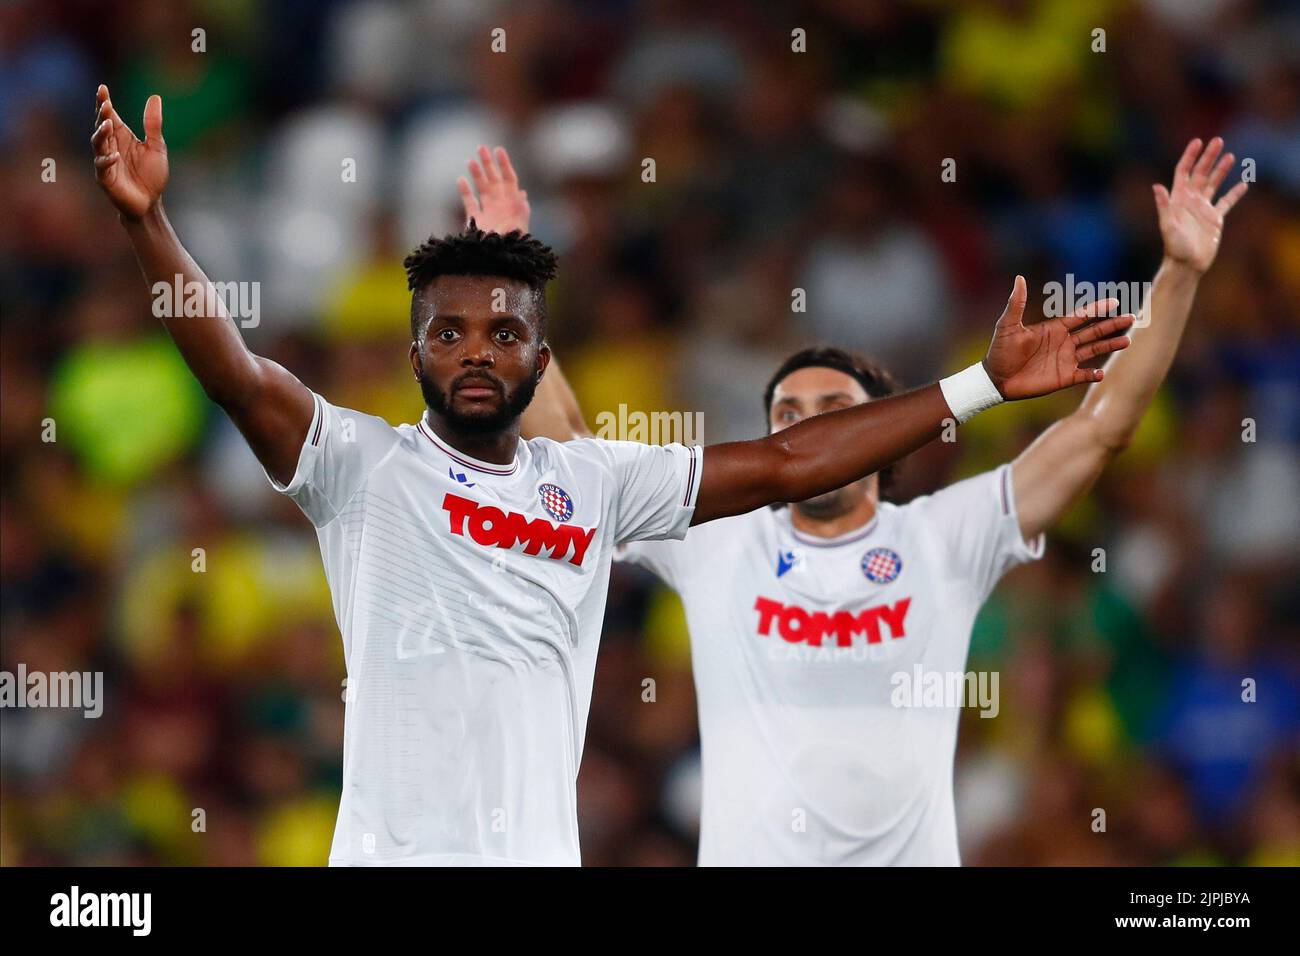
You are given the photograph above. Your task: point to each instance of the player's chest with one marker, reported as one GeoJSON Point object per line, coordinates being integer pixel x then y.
{"type": "Point", "coordinates": [540, 521]}
{"type": "Point", "coordinates": [839, 606]}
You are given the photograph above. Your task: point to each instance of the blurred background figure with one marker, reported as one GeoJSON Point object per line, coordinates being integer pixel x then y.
{"type": "Point", "coordinates": [220, 741]}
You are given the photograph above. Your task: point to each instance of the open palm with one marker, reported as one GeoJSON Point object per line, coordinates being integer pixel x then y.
{"type": "Point", "coordinates": [133, 173]}
{"type": "Point", "coordinates": [501, 206]}
{"type": "Point", "coordinates": [1025, 361]}
{"type": "Point", "coordinates": [1191, 222]}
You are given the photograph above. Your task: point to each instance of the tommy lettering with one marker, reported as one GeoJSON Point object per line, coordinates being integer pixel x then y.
{"type": "Point", "coordinates": [490, 526]}
{"type": "Point", "coordinates": [796, 625]}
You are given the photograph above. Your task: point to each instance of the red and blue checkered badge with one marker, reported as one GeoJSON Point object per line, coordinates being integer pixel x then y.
{"type": "Point", "coordinates": [881, 565]}
{"type": "Point", "coordinates": [556, 501]}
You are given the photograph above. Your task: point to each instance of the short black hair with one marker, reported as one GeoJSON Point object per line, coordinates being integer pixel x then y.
{"type": "Point", "coordinates": [473, 252]}
{"type": "Point", "coordinates": [874, 378]}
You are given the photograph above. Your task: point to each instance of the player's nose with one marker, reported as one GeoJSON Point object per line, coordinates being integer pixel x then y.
{"type": "Point", "coordinates": [477, 353]}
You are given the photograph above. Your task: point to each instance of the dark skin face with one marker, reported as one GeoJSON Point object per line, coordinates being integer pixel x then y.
{"type": "Point", "coordinates": [478, 366]}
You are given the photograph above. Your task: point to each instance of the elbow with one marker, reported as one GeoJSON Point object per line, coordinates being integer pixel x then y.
{"type": "Point", "coordinates": [786, 472]}
{"type": "Point", "coordinates": [1117, 443]}
{"type": "Point", "coordinates": [219, 395]}
{"type": "Point", "coordinates": [234, 392]}
{"type": "Point", "coordinates": [224, 396]}
{"type": "Point", "coordinates": [1113, 439]}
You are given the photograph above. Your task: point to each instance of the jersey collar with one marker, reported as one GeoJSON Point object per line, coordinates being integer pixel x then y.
{"type": "Point", "coordinates": [460, 458]}
{"type": "Point", "coordinates": [847, 538]}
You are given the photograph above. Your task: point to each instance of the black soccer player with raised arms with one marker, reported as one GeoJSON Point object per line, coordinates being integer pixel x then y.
{"type": "Point", "coordinates": [464, 725]}
{"type": "Point", "coordinates": [807, 621]}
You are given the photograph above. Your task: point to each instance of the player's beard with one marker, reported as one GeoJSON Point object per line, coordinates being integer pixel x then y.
{"type": "Point", "coordinates": [834, 504]}
{"type": "Point", "coordinates": [480, 422]}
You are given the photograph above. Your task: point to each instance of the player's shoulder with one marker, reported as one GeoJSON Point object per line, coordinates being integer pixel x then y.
{"type": "Point", "coordinates": [985, 488]}
{"type": "Point", "coordinates": [549, 453]}
{"type": "Point", "coordinates": [542, 446]}
{"type": "Point", "coordinates": [603, 453]}
{"type": "Point", "coordinates": [354, 425]}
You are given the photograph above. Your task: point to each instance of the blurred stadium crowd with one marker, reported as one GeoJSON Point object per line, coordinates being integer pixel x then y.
{"type": "Point", "coordinates": [774, 170]}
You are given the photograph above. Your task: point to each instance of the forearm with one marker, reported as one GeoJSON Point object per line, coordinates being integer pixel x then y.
{"type": "Point", "coordinates": [554, 412]}
{"type": "Point", "coordinates": [267, 404]}
{"type": "Point", "coordinates": [1116, 404]}
{"type": "Point", "coordinates": [818, 454]}
{"type": "Point", "coordinates": [210, 341]}
{"type": "Point", "coordinates": [1067, 459]}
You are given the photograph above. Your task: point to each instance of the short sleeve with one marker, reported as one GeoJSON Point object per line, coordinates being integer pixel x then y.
{"type": "Point", "coordinates": [655, 488]}
{"type": "Point", "coordinates": [977, 521]}
{"type": "Point", "coordinates": [340, 450]}
{"type": "Point", "coordinates": [660, 558]}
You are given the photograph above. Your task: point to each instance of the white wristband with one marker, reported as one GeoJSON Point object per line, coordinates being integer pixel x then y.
{"type": "Point", "coordinates": [969, 392]}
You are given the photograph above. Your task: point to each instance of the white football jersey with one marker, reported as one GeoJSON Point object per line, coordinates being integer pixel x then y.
{"type": "Point", "coordinates": [470, 596]}
{"type": "Point", "coordinates": [826, 672]}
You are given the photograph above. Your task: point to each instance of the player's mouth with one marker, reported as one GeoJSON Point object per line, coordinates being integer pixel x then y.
{"type": "Point", "coordinates": [477, 389]}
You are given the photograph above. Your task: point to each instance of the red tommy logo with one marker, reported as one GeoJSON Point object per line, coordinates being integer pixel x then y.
{"type": "Point", "coordinates": [495, 528]}
{"type": "Point", "coordinates": [795, 624]}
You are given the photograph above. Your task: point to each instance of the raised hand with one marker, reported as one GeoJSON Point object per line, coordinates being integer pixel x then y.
{"type": "Point", "coordinates": [133, 173]}
{"type": "Point", "coordinates": [1025, 361]}
{"type": "Point", "coordinates": [1191, 222]}
{"type": "Point", "coordinates": [501, 205]}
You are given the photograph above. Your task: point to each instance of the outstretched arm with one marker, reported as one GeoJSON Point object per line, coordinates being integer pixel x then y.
{"type": "Point", "coordinates": [269, 405]}
{"type": "Point", "coordinates": [830, 450]}
{"type": "Point", "coordinates": [1065, 461]}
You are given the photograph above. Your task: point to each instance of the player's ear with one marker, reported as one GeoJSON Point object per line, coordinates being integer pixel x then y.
{"type": "Point", "coordinates": [415, 359]}
{"type": "Point", "coordinates": [543, 359]}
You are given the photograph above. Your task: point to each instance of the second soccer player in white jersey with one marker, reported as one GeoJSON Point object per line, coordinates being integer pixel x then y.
{"type": "Point", "coordinates": [469, 568]}
{"type": "Point", "coordinates": [807, 622]}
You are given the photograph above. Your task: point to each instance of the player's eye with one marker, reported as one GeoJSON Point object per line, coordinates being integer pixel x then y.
{"type": "Point", "coordinates": [447, 335]}
{"type": "Point", "coordinates": [505, 336]}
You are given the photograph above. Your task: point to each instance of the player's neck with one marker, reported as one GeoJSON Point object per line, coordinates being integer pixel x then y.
{"type": "Point", "coordinates": [856, 517]}
{"type": "Point", "coordinates": [497, 448]}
